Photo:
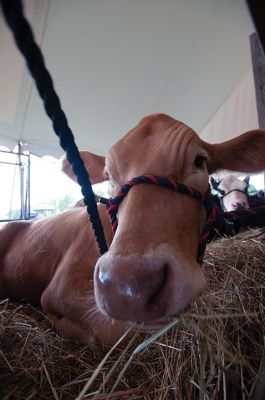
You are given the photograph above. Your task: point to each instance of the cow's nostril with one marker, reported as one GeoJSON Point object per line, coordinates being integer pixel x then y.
{"type": "Point", "coordinates": [160, 282]}
{"type": "Point", "coordinates": [132, 289]}
{"type": "Point", "coordinates": [240, 206]}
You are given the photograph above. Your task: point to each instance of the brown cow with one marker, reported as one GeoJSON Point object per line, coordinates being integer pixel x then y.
{"type": "Point", "coordinates": [150, 272]}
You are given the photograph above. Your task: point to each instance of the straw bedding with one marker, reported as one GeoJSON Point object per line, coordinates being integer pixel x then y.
{"type": "Point", "coordinates": [214, 351]}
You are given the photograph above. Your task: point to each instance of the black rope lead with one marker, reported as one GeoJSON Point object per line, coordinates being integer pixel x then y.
{"type": "Point", "coordinates": [13, 12]}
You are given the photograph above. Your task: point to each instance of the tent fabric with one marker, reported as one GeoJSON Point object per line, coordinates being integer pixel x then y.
{"type": "Point", "coordinates": [115, 61]}
{"type": "Point", "coordinates": [236, 115]}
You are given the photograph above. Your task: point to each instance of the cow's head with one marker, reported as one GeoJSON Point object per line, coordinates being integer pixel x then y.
{"type": "Point", "coordinates": [232, 192]}
{"type": "Point", "coordinates": [150, 271]}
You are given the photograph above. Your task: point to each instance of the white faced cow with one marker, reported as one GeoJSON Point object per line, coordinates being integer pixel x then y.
{"type": "Point", "coordinates": [232, 192]}
{"type": "Point", "coordinates": [150, 272]}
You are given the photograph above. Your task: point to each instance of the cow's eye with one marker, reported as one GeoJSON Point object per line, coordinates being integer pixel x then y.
{"type": "Point", "coordinates": [199, 161]}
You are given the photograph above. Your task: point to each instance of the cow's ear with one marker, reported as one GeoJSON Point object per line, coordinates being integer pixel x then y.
{"type": "Point", "coordinates": [214, 183]}
{"type": "Point", "coordinates": [246, 180]}
{"type": "Point", "coordinates": [94, 165]}
{"type": "Point", "coordinates": [244, 153]}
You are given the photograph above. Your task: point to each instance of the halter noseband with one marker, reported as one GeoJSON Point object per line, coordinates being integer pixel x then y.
{"type": "Point", "coordinates": [223, 194]}
{"type": "Point", "coordinates": [206, 199]}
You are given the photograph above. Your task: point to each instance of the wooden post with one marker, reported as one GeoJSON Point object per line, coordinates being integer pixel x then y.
{"type": "Point", "coordinates": [258, 65]}
{"type": "Point", "coordinates": [257, 12]}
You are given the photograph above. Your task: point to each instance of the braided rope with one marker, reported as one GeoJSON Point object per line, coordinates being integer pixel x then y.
{"type": "Point", "coordinates": [13, 12]}
{"type": "Point", "coordinates": [206, 199]}
{"type": "Point", "coordinates": [225, 223]}
{"type": "Point", "coordinates": [113, 204]}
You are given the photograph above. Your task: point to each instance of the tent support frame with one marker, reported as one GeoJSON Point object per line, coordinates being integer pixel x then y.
{"type": "Point", "coordinates": [24, 181]}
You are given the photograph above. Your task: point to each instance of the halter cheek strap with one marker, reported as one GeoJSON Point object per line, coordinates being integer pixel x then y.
{"type": "Point", "coordinates": [223, 193]}
{"type": "Point", "coordinates": [206, 199]}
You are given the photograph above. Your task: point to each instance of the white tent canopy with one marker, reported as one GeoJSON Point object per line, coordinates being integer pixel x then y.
{"type": "Point", "coordinates": [114, 61]}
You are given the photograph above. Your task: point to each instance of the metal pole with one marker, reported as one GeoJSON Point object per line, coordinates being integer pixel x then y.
{"type": "Point", "coordinates": [21, 176]}
{"type": "Point", "coordinates": [28, 189]}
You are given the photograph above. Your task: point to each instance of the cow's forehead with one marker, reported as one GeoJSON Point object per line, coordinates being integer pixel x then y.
{"type": "Point", "coordinates": [156, 126]}
{"type": "Point", "coordinates": [157, 135]}
{"type": "Point", "coordinates": [158, 145]}
{"type": "Point", "coordinates": [232, 182]}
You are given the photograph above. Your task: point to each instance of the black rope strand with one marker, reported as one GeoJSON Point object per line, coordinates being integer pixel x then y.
{"type": "Point", "coordinates": [13, 12]}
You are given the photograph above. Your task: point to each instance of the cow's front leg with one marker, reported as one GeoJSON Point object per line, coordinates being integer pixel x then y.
{"type": "Point", "coordinates": [72, 330]}
{"type": "Point", "coordinates": [69, 298]}
{"type": "Point", "coordinates": [69, 302]}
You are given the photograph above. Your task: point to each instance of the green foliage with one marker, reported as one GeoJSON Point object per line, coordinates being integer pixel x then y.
{"type": "Point", "coordinates": [64, 203]}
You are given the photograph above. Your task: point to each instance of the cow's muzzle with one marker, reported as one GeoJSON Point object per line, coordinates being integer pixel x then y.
{"type": "Point", "coordinates": [146, 288]}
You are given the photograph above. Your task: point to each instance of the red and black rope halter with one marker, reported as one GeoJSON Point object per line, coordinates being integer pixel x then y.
{"type": "Point", "coordinates": [206, 199]}
{"type": "Point", "coordinates": [225, 223]}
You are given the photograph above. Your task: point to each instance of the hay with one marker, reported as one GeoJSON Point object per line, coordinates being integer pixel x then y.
{"type": "Point", "coordinates": [215, 351]}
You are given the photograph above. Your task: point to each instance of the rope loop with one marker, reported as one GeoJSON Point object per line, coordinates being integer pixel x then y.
{"type": "Point", "coordinates": [206, 199]}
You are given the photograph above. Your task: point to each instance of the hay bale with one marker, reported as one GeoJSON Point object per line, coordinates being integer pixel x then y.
{"type": "Point", "coordinates": [215, 351]}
